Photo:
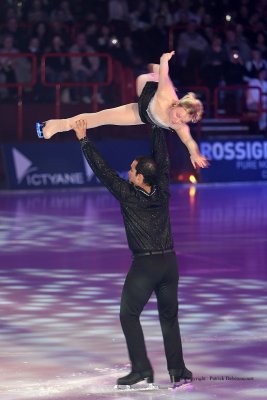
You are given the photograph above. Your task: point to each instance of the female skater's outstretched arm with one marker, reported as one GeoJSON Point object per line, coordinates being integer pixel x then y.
{"type": "Point", "coordinates": [181, 112]}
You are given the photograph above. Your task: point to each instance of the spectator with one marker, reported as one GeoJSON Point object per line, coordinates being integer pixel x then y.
{"type": "Point", "coordinates": [62, 13]}
{"type": "Point", "coordinates": [234, 72]}
{"type": "Point", "coordinates": [129, 56]}
{"type": "Point", "coordinates": [260, 43]}
{"type": "Point", "coordinates": [243, 16]}
{"type": "Point", "coordinates": [57, 68]}
{"type": "Point", "coordinates": [158, 39]}
{"type": "Point", "coordinates": [191, 41]}
{"type": "Point", "coordinates": [257, 99]}
{"type": "Point", "coordinates": [256, 25]}
{"type": "Point", "coordinates": [92, 33]}
{"type": "Point", "coordinates": [35, 49]}
{"type": "Point", "coordinates": [200, 15]}
{"type": "Point", "coordinates": [104, 39]}
{"type": "Point", "coordinates": [255, 64]}
{"type": "Point", "coordinates": [215, 59]}
{"type": "Point", "coordinates": [163, 9]}
{"type": "Point", "coordinates": [208, 34]}
{"type": "Point", "coordinates": [233, 41]}
{"type": "Point", "coordinates": [140, 17]}
{"type": "Point", "coordinates": [84, 69]}
{"type": "Point", "coordinates": [174, 6]}
{"type": "Point", "coordinates": [42, 32]}
{"type": "Point", "coordinates": [208, 21]}
{"type": "Point", "coordinates": [118, 10]}
{"type": "Point", "coordinates": [183, 14]}
{"type": "Point", "coordinates": [11, 12]}
{"type": "Point", "coordinates": [190, 52]}
{"type": "Point", "coordinates": [67, 14]}
{"type": "Point", "coordinates": [12, 29]}
{"type": "Point", "coordinates": [7, 65]}
{"type": "Point", "coordinates": [37, 12]}
{"type": "Point", "coordinates": [60, 29]}
{"type": "Point", "coordinates": [12, 69]}
{"type": "Point", "coordinates": [243, 41]}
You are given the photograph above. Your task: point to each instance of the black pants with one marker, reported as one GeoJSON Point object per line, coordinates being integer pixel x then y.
{"type": "Point", "coordinates": [157, 273]}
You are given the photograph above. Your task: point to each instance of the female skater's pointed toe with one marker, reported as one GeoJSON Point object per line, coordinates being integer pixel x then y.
{"type": "Point", "coordinates": [39, 129]}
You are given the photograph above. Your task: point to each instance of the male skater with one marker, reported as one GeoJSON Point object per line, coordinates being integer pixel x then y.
{"type": "Point", "coordinates": [144, 201]}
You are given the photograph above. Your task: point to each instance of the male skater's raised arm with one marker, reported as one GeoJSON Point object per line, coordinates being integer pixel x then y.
{"type": "Point", "coordinates": [108, 176]}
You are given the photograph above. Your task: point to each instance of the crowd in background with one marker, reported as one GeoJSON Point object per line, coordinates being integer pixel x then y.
{"type": "Point", "coordinates": [216, 42]}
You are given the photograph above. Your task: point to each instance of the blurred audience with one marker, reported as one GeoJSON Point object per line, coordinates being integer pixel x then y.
{"type": "Point", "coordinates": [158, 39]}
{"type": "Point", "coordinates": [257, 97]}
{"type": "Point", "coordinates": [233, 73]}
{"type": "Point", "coordinates": [261, 44]}
{"type": "Point", "coordinates": [84, 68]}
{"type": "Point", "coordinates": [57, 68]}
{"type": "Point", "coordinates": [140, 16]}
{"type": "Point", "coordinates": [8, 65]}
{"type": "Point", "coordinates": [213, 64]}
{"type": "Point", "coordinates": [118, 10]}
{"type": "Point", "coordinates": [13, 28]}
{"type": "Point", "coordinates": [62, 13]}
{"type": "Point", "coordinates": [232, 40]}
{"type": "Point", "coordinates": [37, 11]}
{"type": "Point", "coordinates": [190, 52]}
{"type": "Point", "coordinates": [41, 31]}
{"type": "Point", "coordinates": [255, 64]}
{"type": "Point", "coordinates": [216, 43]}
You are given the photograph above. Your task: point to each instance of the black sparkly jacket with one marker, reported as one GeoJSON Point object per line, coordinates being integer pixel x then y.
{"type": "Point", "coordinates": [146, 215]}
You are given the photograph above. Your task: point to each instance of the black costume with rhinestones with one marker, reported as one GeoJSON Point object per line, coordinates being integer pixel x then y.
{"type": "Point", "coordinates": [146, 215]}
{"type": "Point", "coordinates": [154, 267]}
{"type": "Point", "coordinates": [144, 103]}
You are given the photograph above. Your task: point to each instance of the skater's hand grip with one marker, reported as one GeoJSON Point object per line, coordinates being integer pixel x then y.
{"type": "Point", "coordinates": [80, 129]}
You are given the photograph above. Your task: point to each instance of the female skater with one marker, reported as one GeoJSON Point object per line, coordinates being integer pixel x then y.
{"type": "Point", "coordinates": [158, 104]}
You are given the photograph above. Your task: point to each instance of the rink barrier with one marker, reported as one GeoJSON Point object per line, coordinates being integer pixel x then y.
{"type": "Point", "coordinates": [246, 114]}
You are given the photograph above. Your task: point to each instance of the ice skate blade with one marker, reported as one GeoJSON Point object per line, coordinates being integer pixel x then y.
{"type": "Point", "coordinates": [185, 385]}
{"type": "Point", "coordinates": [122, 387]}
{"type": "Point", "coordinates": [39, 129]}
{"type": "Point", "coordinates": [136, 387]}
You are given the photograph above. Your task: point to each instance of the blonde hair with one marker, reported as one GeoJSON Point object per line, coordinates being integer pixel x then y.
{"type": "Point", "coordinates": [191, 105]}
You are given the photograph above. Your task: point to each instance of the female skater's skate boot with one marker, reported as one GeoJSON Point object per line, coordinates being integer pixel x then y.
{"type": "Point", "coordinates": [45, 130]}
{"type": "Point", "coordinates": [135, 377]}
{"type": "Point", "coordinates": [39, 129]}
{"type": "Point", "coordinates": [176, 375]}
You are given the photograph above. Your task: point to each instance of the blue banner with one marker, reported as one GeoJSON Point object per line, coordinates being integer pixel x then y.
{"type": "Point", "coordinates": [47, 165]}
{"type": "Point", "coordinates": [233, 160]}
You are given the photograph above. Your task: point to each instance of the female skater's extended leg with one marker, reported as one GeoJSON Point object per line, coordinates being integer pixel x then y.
{"type": "Point", "coordinates": [123, 115]}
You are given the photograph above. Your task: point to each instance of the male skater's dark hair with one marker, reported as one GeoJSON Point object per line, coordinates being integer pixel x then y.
{"type": "Point", "coordinates": [148, 168]}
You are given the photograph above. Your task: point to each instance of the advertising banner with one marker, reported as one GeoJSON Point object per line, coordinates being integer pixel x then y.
{"type": "Point", "coordinates": [234, 160]}
{"type": "Point", "coordinates": [49, 165]}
